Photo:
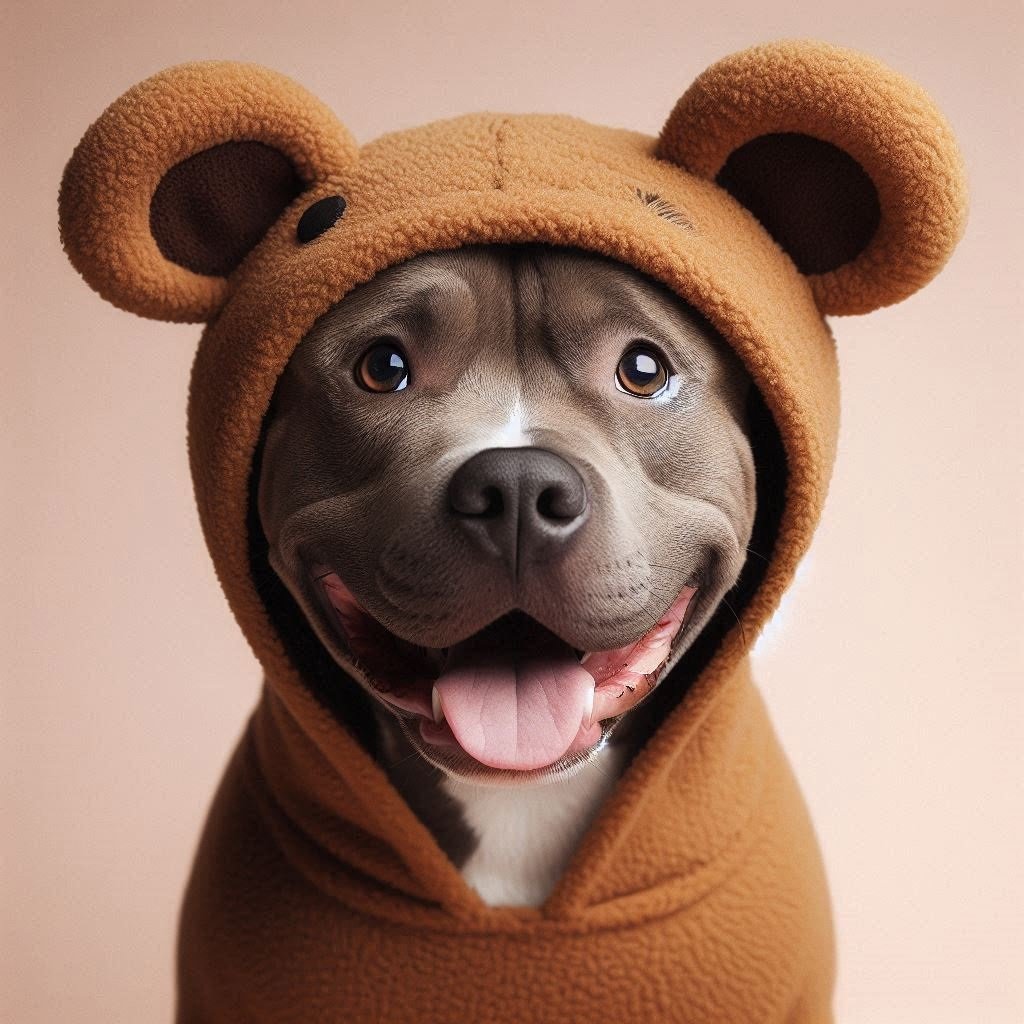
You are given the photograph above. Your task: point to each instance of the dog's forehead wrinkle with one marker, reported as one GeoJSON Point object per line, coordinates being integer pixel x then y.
{"type": "Point", "coordinates": [590, 304]}
{"type": "Point", "coordinates": [409, 296]}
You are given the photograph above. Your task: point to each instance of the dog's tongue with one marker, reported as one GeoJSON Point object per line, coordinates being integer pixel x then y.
{"type": "Point", "coordinates": [515, 695]}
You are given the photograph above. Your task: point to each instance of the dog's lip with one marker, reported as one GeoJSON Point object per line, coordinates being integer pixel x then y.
{"type": "Point", "coordinates": [403, 674]}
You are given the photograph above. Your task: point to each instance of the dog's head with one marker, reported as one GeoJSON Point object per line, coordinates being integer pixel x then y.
{"type": "Point", "coordinates": [479, 450]}
{"type": "Point", "coordinates": [507, 485]}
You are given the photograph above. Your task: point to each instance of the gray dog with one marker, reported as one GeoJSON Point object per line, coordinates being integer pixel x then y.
{"type": "Point", "coordinates": [484, 508]}
{"type": "Point", "coordinates": [508, 486]}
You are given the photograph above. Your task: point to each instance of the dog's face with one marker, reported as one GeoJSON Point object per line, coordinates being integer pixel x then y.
{"type": "Point", "coordinates": [507, 486]}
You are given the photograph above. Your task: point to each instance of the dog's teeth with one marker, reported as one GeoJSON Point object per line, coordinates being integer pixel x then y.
{"type": "Point", "coordinates": [588, 708]}
{"type": "Point", "coordinates": [435, 703]}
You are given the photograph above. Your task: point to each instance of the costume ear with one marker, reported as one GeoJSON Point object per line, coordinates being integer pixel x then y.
{"type": "Point", "coordinates": [183, 175]}
{"type": "Point", "coordinates": [848, 165]}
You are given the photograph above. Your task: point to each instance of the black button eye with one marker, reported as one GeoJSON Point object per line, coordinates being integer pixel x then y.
{"type": "Point", "coordinates": [323, 214]}
{"type": "Point", "coordinates": [641, 372]}
{"type": "Point", "coordinates": [383, 367]}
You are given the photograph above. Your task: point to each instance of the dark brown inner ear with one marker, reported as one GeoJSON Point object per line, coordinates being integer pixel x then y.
{"type": "Point", "coordinates": [211, 209]}
{"type": "Point", "coordinates": [813, 198]}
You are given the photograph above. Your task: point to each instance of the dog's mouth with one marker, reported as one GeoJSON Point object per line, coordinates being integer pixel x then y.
{"type": "Point", "coordinates": [512, 696]}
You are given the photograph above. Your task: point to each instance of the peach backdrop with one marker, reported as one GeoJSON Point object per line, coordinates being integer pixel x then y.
{"type": "Point", "coordinates": [893, 670]}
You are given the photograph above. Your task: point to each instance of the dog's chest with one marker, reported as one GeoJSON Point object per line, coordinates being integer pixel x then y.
{"type": "Point", "coordinates": [526, 835]}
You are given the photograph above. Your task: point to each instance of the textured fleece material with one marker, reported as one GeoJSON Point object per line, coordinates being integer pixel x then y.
{"type": "Point", "coordinates": [698, 894]}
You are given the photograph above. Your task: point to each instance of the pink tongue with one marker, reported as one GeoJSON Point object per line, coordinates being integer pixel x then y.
{"type": "Point", "coordinates": [510, 710]}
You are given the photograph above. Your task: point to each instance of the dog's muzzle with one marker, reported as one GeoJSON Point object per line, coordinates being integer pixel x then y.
{"type": "Point", "coordinates": [513, 695]}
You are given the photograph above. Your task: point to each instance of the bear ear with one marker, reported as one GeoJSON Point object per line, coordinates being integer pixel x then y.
{"type": "Point", "coordinates": [848, 165]}
{"type": "Point", "coordinates": [183, 175]}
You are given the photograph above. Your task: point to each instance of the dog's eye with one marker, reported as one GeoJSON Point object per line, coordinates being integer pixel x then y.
{"type": "Point", "coordinates": [641, 372]}
{"type": "Point", "coordinates": [383, 367]}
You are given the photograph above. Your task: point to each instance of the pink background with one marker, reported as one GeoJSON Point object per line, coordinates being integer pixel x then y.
{"type": "Point", "coordinates": [893, 670]}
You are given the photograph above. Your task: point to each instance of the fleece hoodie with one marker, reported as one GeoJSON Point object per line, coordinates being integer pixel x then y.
{"type": "Point", "coordinates": [790, 181]}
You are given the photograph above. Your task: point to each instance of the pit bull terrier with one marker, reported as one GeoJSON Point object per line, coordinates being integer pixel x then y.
{"type": "Point", "coordinates": [508, 485]}
{"type": "Point", "coordinates": [508, 433]}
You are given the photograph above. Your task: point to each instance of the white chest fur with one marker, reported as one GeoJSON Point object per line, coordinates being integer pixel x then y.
{"type": "Point", "coordinates": [528, 834]}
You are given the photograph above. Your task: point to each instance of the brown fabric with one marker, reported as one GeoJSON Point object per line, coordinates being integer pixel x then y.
{"type": "Point", "coordinates": [887, 124]}
{"type": "Point", "coordinates": [815, 200]}
{"type": "Point", "coordinates": [211, 209]}
{"type": "Point", "coordinates": [111, 178]}
{"type": "Point", "coordinates": [698, 894]}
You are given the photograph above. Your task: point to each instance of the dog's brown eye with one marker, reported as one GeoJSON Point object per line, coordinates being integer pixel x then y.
{"type": "Point", "coordinates": [383, 367]}
{"type": "Point", "coordinates": [641, 372]}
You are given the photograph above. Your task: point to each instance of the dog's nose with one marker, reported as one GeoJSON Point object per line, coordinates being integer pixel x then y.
{"type": "Point", "coordinates": [512, 500]}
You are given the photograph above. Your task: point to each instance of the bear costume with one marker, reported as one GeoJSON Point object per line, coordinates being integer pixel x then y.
{"type": "Point", "coordinates": [791, 181]}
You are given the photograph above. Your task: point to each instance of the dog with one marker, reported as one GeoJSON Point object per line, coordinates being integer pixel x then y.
{"type": "Point", "coordinates": [508, 433]}
{"type": "Point", "coordinates": [508, 485]}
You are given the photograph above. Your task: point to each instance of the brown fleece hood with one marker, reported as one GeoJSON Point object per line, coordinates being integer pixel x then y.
{"type": "Point", "coordinates": [790, 181]}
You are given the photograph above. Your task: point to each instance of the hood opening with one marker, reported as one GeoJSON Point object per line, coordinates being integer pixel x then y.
{"type": "Point", "coordinates": [771, 474]}
{"type": "Point", "coordinates": [351, 706]}
{"type": "Point", "coordinates": [333, 688]}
